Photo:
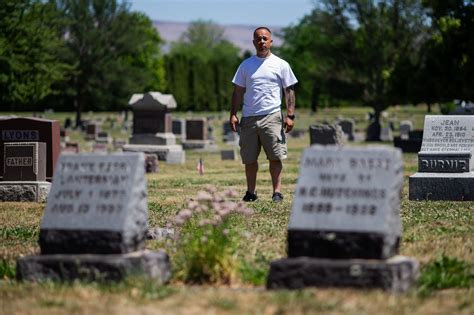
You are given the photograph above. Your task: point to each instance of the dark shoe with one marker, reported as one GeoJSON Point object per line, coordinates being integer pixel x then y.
{"type": "Point", "coordinates": [277, 197]}
{"type": "Point", "coordinates": [250, 197]}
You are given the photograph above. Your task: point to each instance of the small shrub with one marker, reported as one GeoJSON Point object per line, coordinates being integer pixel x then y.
{"type": "Point", "coordinates": [7, 270]}
{"type": "Point", "coordinates": [208, 237]}
{"type": "Point", "coordinates": [445, 272]}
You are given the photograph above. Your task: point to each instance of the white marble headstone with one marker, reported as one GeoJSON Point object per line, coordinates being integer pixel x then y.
{"type": "Point", "coordinates": [349, 189]}
{"type": "Point", "coordinates": [100, 197]}
{"type": "Point", "coordinates": [448, 134]}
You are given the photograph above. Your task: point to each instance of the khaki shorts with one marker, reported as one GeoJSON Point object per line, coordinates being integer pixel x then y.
{"type": "Point", "coordinates": [266, 131]}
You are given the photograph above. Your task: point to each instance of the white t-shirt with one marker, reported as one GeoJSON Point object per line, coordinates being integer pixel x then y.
{"type": "Point", "coordinates": [263, 80]}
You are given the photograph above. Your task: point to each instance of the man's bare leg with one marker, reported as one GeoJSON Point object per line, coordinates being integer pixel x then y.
{"type": "Point", "coordinates": [275, 172]}
{"type": "Point", "coordinates": [251, 175]}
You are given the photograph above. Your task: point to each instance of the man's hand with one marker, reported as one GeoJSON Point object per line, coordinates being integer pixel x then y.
{"type": "Point", "coordinates": [288, 124]}
{"type": "Point", "coordinates": [234, 122]}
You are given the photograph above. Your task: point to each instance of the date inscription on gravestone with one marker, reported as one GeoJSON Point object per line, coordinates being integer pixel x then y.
{"type": "Point", "coordinates": [97, 204]}
{"type": "Point", "coordinates": [448, 144]}
{"type": "Point", "coordinates": [24, 161]}
{"type": "Point", "coordinates": [349, 189]}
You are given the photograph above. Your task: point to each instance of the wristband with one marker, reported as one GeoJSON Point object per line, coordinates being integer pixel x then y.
{"type": "Point", "coordinates": [292, 117]}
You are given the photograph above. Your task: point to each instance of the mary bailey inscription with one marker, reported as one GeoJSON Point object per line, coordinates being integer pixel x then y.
{"type": "Point", "coordinates": [97, 196]}
{"type": "Point", "coordinates": [345, 223]}
{"type": "Point", "coordinates": [349, 190]}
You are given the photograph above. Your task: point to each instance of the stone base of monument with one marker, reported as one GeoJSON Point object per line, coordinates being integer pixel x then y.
{"type": "Point", "coordinates": [396, 274]}
{"type": "Point", "coordinates": [341, 245]}
{"type": "Point", "coordinates": [163, 138]}
{"type": "Point", "coordinates": [93, 267]}
{"type": "Point", "coordinates": [24, 191]}
{"type": "Point", "coordinates": [204, 145]}
{"type": "Point", "coordinates": [407, 145]}
{"type": "Point", "coordinates": [172, 154]}
{"type": "Point", "coordinates": [441, 186]}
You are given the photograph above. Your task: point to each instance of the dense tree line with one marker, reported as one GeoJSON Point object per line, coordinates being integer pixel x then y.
{"type": "Point", "coordinates": [381, 53]}
{"type": "Point", "coordinates": [94, 54]}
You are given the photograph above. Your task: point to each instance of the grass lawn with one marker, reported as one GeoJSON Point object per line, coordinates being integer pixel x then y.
{"type": "Point", "coordinates": [439, 234]}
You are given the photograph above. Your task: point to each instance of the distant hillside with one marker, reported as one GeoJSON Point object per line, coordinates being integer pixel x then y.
{"type": "Point", "coordinates": [240, 35]}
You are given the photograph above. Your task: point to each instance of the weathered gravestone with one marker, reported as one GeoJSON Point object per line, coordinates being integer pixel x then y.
{"type": "Point", "coordinates": [103, 137]}
{"type": "Point", "coordinates": [345, 226]}
{"type": "Point", "coordinates": [24, 177]}
{"type": "Point", "coordinates": [197, 134]}
{"type": "Point", "coordinates": [386, 133]}
{"type": "Point", "coordinates": [179, 128]}
{"type": "Point", "coordinates": [151, 163]}
{"type": "Point", "coordinates": [32, 130]}
{"type": "Point", "coordinates": [445, 161]}
{"type": "Point", "coordinates": [326, 134]}
{"type": "Point", "coordinates": [405, 127]}
{"type": "Point", "coordinates": [229, 155]}
{"type": "Point", "coordinates": [95, 223]}
{"type": "Point", "coordinates": [92, 128]}
{"type": "Point", "coordinates": [347, 126]}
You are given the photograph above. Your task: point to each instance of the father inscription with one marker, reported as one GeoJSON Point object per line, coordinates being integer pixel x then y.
{"type": "Point", "coordinates": [25, 161]}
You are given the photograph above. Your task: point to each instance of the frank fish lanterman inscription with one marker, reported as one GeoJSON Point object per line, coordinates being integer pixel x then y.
{"type": "Point", "coordinates": [97, 204]}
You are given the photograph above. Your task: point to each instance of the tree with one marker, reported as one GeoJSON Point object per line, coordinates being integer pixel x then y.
{"type": "Point", "coordinates": [352, 48]}
{"type": "Point", "coordinates": [200, 67]}
{"type": "Point", "coordinates": [30, 50]}
{"type": "Point", "coordinates": [115, 53]}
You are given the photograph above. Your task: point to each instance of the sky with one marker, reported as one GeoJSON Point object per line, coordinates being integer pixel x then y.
{"type": "Point", "coordinates": [226, 12]}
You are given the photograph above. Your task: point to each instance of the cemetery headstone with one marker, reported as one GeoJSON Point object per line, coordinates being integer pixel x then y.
{"type": "Point", "coordinates": [99, 148]}
{"type": "Point", "coordinates": [196, 129]}
{"type": "Point", "coordinates": [347, 126]}
{"type": "Point", "coordinates": [151, 163]}
{"type": "Point", "coordinates": [24, 172]}
{"type": "Point", "coordinates": [32, 130]}
{"type": "Point", "coordinates": [103, 137]}
{"type": "Point", "coordinates": [445, 161]}
{"type": "Point", "coordinates": [95, 223]}
{"type": "Point", "coordinates": [152, 125]}
{"type": "Point", "coordinates": [71, 147]}
{"type": "Point", "coordinates": [25, 161]}
{"type": "Point", "coordinates": [179, 128]}
{"type": "Point", "coordinates": [405, 127]}
{"type": "Point", "coordinates": [326, 134]}
{"type": "Point", "coordinates": [197, 135]}
{"type": "Point", "coordinates": [345, 225]}
{"type": "Point", "coordinates": [92, 129]}
{"type": "Point", "coordinates": [229, 155]}
{"type": "Point", "coordinates": [386, 134]}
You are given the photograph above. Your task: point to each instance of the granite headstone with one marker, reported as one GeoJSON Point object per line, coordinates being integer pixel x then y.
{"type": "Point", "coordinates": [32, 130]}
{"type": "Point", "coordinates": [345, 225]}
{"type": "Point", "coordinates": [445, 160]}
{"type": "Point", "coordinates": [95, 222]}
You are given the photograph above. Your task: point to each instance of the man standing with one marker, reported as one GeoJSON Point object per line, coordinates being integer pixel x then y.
{"type": "Point", "coordinates": [259, 83]}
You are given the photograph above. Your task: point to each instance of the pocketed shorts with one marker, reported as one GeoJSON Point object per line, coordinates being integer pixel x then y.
{"type": "Point", "coordinates": [266, 131]}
